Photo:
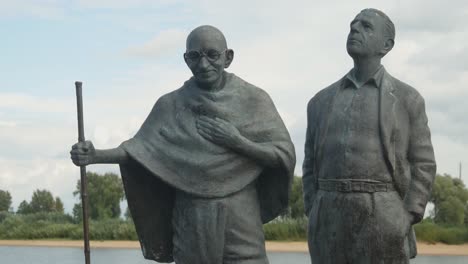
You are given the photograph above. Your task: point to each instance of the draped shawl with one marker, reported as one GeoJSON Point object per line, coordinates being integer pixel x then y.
{"type": "Point", "coordinates": [167, 153]}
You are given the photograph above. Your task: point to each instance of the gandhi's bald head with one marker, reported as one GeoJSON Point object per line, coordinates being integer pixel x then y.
{"type": "Point", "coordinates": [207, 56]}
{"type": "Point", "coordinates": [206, 33]}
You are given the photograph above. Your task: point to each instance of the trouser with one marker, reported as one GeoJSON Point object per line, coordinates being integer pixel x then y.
{"type": "Point", "coordinates": [358, 228]}
{"type": "Point", "coordinates": [219, 230]}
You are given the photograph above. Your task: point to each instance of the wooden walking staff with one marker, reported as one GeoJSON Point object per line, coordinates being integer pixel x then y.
{"type": "Point", "coordinates": [84, 184]}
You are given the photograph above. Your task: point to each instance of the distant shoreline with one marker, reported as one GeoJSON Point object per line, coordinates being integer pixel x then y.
{"type": "Point", "coordinates": [272, 246]}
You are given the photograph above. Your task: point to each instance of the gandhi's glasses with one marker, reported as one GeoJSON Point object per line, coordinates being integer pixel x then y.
{"type": "Point", "coordinates": [194, 56]}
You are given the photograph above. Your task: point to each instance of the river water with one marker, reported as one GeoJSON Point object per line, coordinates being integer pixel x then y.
{"type": "Point", "coordinates": [50, 255]}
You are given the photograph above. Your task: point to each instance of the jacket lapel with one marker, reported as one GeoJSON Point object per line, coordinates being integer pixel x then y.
{"type": "Point", "coordinates": [387, 118]}
{"type": "Point", "coordinates": [323, 132]}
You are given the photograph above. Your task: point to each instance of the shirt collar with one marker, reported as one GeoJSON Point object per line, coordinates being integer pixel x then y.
{"type": "Point", "coordinates": [375, 80]}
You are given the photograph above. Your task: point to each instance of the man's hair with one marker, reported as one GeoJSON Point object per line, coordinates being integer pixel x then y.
{"type": "Point", "coordinates": [389, 26]}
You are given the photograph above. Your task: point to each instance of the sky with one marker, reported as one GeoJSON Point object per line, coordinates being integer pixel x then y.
{"type": "Point", "coordinates": [129, 52]}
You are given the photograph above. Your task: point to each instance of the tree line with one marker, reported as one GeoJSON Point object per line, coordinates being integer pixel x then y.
{"type": "Point", "coordinates": [105, 192]}
{"type": "Point", "coordinates": [447, 221]}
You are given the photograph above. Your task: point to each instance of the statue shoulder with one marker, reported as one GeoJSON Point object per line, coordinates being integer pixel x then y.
{"type": "Point", "coordinates": [325, 95]}
{"type": "Point", "coordinates": [250, 90]}
{"type": "Point", "coordinates": [406, 92]}
{"type": "Point", "coordinates": [164, 99]}
{"type": "Point", "coordinates": [169, 98]}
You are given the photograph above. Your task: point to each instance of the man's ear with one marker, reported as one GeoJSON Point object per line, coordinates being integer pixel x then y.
{"type": "Point", "coordinates": [185, 59]}
{"type": "Point", "coordinates": [229, 58]}
{"type": "Point", "coordinates": [388, 46]}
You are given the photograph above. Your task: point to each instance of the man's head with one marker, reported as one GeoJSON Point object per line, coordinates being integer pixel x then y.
{"type": "Point", "coordinates": [207, 56]}
{"type": "Point", "coordinates": [372, 34]}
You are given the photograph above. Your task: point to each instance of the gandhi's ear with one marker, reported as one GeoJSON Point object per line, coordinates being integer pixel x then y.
{"type": "Point", "coordinates": [388, 46]}
{"type": "Point", "coordinates": [229, 58]}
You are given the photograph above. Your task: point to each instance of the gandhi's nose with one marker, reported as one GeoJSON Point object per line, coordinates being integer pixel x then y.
{"type": "Point", "coordinates": [203, 63]}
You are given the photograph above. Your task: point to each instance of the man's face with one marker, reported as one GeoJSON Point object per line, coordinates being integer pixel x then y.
{"type": "Point", "coordinates": [207, 68]}
{"type": "Point", "coordinates": [366, 36]}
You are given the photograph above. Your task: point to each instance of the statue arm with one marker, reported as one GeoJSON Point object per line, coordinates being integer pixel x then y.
{"type": "Point", "coordinates": [309, 181]}
{"type": "Point", "coordinates": [265, 154]}
{"type": "Point", "coordinates": [421, 159]}
{"type": "Point", "coordinates": [221, 132]}
{"type": "Point", "coordinates": [115, 155]}
{"type": "Point", "coordinates": [84, 153]}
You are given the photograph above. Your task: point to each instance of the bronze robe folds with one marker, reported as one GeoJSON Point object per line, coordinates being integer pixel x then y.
{"type": "Point", "coordinates": [167, 152]}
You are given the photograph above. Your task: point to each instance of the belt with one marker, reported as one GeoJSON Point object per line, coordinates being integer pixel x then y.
{"type": "Point", "coordinates": [354, 186]}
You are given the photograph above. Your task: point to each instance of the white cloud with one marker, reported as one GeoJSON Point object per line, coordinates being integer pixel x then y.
{"type": "Point", "coordinates": [25, 102]}
{"type": "Point", "coordinates": [8, 123]}
{"type": "Point", "coordinates": [58, 175]}
{"type": "Point", "coordinates": [431, 16]}
{"type": "Point", "coordinates": [122, 4]}
{"type": "Point", "coordinates": [291, 49]}
{"type": "Point", "coordinates": [47, 9]}
{"type": "Point", "coordinates": [166, 42]}
{"type": "Point", "coordinates": [297, 48]}
{"type": "Point", "coordinates": [449, 153]}
{"type": "Point", "coordinates": [109, 134]}
{"type": "Point", "coordinates": [23, 177]}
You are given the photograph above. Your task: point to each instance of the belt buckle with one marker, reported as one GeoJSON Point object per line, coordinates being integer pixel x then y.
{"type": "Point", "coordinates": [345, 186]}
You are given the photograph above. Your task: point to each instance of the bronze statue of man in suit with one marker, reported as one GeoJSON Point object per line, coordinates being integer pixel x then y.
{"type": "Point", "coordinates": [369, 162]}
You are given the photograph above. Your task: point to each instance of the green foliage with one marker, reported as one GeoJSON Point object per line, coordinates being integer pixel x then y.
{"type": "Point", "coordinates": [296, 199]}
{"type": "Point", "coordinates": [451, 211]}
{"type": "Point", "coordinates": [430, 232]}
{"type": "Point", "coordinates": [56, 218]}
{"type": "Point", "coordinates": [128, 215]}
{"type": "Point", "coordinates": [59, 205]}
{"type": "Point", "coordinates": [24, 208]}
{"type": "Point", "coordinates": [112, 229]}
{"type": "Point", "coordinates": [450, 198]}
{"type": "Point", "coordinates": [104, 195]}
{"type": "Point", "coordinates": [43, 217]}
{"type": "Point", "coordinates": [4, 215]}
{"type": "Point", "coordinates": [77, 213]}
{"type": "Point", "coordinates": [5, 201]}
{"type": "Point", "coordinates": [286, 229]}
{"type": "Point", "coordinates": [42, 201]}
{"type": "Point", "coordinates": [37, 226]}
{"type": "Point", "coordinates": [61, 226]}
{"type": "Point", "coordinates": [466, 215]}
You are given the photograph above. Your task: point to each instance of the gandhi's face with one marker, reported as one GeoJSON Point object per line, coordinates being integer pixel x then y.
{"type": "Point", "coordinates": [208, 68]}
{"type": "Point", "coordinates": [366, 36]}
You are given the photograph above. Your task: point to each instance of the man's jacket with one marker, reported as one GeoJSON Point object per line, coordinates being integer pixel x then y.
{"type": "Point", "coordinates": [404, 135]}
